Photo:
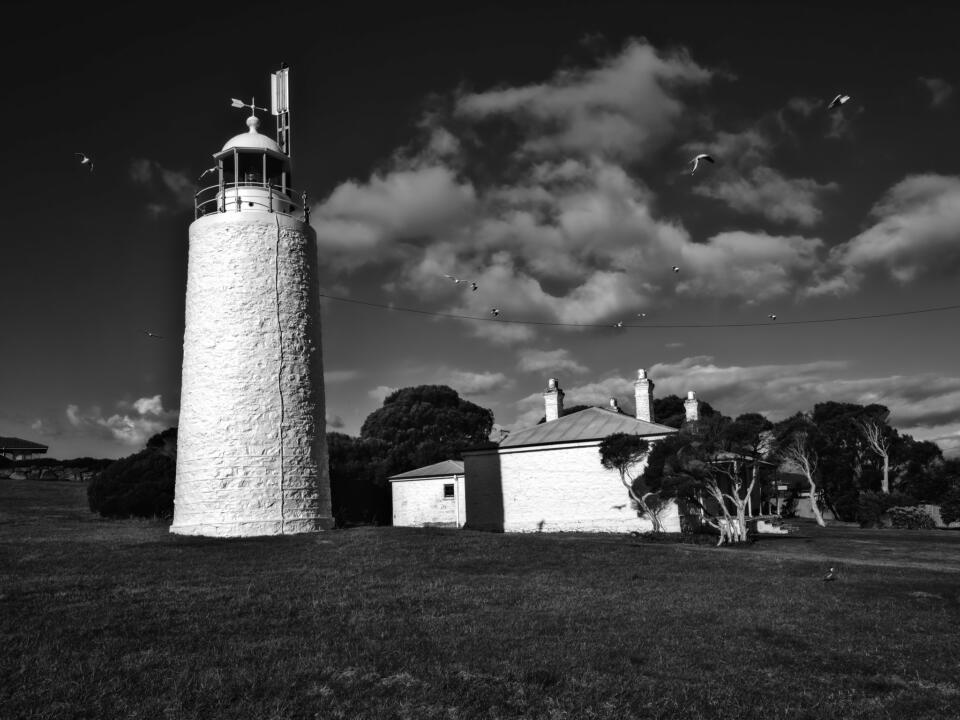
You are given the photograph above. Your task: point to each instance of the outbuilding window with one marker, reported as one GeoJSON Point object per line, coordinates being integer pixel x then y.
{"type": "Point", "coordinates": [448, 491]}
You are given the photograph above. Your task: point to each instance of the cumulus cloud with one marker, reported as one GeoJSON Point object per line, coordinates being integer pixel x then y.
{"type": "Point", "coordinates": [746, 182]}
{"type": "Point", "coordinates": [548, 361]}
{"type": "Point", "coordinates": [915, 231]}
{"type": "Point", "coordinates": [132, 425]}
{"type": "Point", "coordinates": [176, 187]}
{"type": "Point", "coordinates": [473, 383]}
{"type": "Point", "coordinates": [380, 392]}
{"type": "Point", "coordinates": [940, 90]}
{"type": "Point", "coordinates": [626, 107]}
{"type": "Point", "coordinates": [335, 423]}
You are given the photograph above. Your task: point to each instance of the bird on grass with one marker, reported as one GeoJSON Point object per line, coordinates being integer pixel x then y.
{"type": "Point", "coordinates": [85, 160]}
{"type": "Point", "coordinates": [150, 334]}
{"type": "Point", "coordinates": [698, 158]}
{"type": "Point", "coordinates": [838, 100]}
{"type": "Point", "coordinates": [829, 577]}
{"type": "Point", "coordinates": [495, 312]}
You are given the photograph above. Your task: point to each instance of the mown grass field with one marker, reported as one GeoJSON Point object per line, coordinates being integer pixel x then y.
{"type": "Point", "coordinates": [105, 619]}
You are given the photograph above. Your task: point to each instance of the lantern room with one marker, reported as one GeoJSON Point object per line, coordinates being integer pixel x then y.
{"type": "Point", "coordinates": [253, 175]}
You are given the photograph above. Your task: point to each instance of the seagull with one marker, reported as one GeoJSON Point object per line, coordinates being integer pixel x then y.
{"type": "Point", "coordinates": [150, 334]}
{"type": "Point", "coordinates": [208, 171]}
{"type": "Point", "coordinates": [85, 160]}
{"type": "Point", "coordinates": [697, 159]}
{"type": "Point", "coordinates": [619, 324]}
{"type": "Point", "coordinates": [474, 286]}
{"type": "Point", "coordinates": [838, 100]}
{"type": "Point", "coordinates": [675, 268]}
{"type": "Point", "coordinates": [641, 315]}
{"type": "Point", "coordinates": [495, 312]}
{"type": "Point", "coordinates": [772, 316]}
{"type": "Point", "coordinates": [829, 576]}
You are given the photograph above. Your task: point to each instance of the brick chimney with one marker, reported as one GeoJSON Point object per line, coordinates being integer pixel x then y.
{"type": "Point", "coordinates": [614, 405]}
{"type": "Point", "coordinates": [643, 394]}
{"type": "Point", "coordinates": [553, 400]}
{"type": "Point", "coordinates": [692, 407]}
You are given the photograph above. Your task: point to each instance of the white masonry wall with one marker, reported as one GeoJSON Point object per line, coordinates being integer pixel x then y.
{"type": "Point", "coordinates": [554, 489]}
{"type": "Point", "coordinates": [252, 450]}
{"type": "Point", "coordinates": [419, 502]}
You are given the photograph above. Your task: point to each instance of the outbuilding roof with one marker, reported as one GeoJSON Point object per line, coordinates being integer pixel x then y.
{"type": "Point", "coordinates": [445, 467]}
{"type": "Point", "coordinates": [9, 444]}
{"type": "Point", "coordinates": [590, 424]}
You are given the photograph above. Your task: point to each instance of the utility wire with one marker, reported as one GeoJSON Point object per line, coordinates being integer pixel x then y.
{"type": "Point", "coordinates": [642, 325]}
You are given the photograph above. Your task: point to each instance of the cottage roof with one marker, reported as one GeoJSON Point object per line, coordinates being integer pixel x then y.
{"type": "Point", "coordinates": [445, 467]}
{"type": "Point", "coordinates": [589, 424]}
{"type": "Point", "coordinates": [8, 444]}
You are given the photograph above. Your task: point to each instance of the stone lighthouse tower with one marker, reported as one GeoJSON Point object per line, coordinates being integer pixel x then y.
{"type": "Point", "coordinates": [252, 449]}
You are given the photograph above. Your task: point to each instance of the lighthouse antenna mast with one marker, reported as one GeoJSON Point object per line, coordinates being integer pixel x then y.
{"type": "Point", "coordinates": [280, 105]}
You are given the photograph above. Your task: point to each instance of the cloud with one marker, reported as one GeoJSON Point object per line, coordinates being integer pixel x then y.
{"type": "Point", "coordinates": [132, 425]}
{"type": "Point", "coordinates": [473, 383]}
{"type": "Point", "coordinates": [339, 376]}
{"type": "Point", "coordinates": [380, 393]}
{"type": "Point", "coordinates": [745, 181]}
{"type": "Point", "coordinates": [548, 361]}
{"type": "Point", "coordinates": [176, 186]}
{"type": "Point", "coordinates": [335, 423]}
{"type": "Point", "coordinates": [940, 90]}
{"type": "Point", "coordinates": [402, 204]}
{"type": "Point", "coordinates": [915, 231]}
{"type": "Point", "coordinates": [626, 108]}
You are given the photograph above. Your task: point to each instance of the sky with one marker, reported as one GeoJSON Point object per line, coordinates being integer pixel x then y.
{"type": "Point", "coordinates": [542, 152]}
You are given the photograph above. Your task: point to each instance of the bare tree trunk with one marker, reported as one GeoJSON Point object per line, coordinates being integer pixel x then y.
{"type": "Point", "coordinates": [814, 505]}
{"type": "Point", "coordinates": [886, 474]}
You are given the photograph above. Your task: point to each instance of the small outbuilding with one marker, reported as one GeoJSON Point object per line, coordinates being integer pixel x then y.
{"type": "Point", "coordinates": [16, 449]}
{"type": "Point", "coordinates": [431, 496]}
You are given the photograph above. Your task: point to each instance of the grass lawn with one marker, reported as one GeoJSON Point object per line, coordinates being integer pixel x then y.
{"type": "Point", "coordinates": [104, 619]}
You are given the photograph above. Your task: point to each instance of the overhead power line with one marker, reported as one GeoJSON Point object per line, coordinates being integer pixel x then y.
{"type": "Point", "coordinates": [642, 325]}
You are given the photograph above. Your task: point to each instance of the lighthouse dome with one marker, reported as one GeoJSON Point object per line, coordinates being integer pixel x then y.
{"type": "Point", "coordinates": [252, 139]}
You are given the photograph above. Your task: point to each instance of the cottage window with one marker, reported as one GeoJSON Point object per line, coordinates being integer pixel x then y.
{"type": "Point", "coordinates": [448, 491]}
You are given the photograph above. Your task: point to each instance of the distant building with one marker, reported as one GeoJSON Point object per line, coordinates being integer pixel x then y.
{"type": "Point", "coordinates": [429, 496]}
{"type": "Point", "coordinates": [549, 477]}
{"type": "Point", "coordinates": [16, 449]}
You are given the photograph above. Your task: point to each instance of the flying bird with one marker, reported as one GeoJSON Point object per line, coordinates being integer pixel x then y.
{"type": "Point", "coordinates": [675, 268]}
{"type": "Point", "coordinates": [641, 315]}
{"type": "Point", "coordinates": [208, 171]}
{"type": "Point", "coordinates": [495, 312]}
{"type": "Point", "coordinates": [619, 324]}
{"type": "Point", "coordinates": [829, 576]}
{"type": "Point", "coordinates": [698, 158]}
{"type": "Point", "coordinates": [150, 334]}
{"type": "Point", "coordinates": [772, 316]}
{"type": "Point", "coordinates": [838, 100]}
{"type": "Point", "coordinates": [474, 286]}
{"type": "Point", "coordinates": [456, 280]}
{"type": "Point", "coordinates": [85, 160]}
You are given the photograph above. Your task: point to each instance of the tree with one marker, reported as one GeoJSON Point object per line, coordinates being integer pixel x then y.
{"type": "Point", "coordinates": [799, 451]}
{"type": "Point", "coordinates": [670, 411]}
{"type": "Point", "coordinates": [139, 485]}
{"type": "Point", "coordinates": [701, 466]}
{"type": "Point", "coordinates": [355, 495]}
{"type": "Point", "coordinates": [622, 452]}
{"type": "Point", "coordinates": [425, 424]}
{"type": "Point", "coordinates": [877, 435]}
{"type": "Point", "coordinates": [752, 434]}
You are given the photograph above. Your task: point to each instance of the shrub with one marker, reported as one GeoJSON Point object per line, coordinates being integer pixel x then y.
{"type": "Point", "coordinates": [898, 499]}
{"type": "Point", "coordinates": [911, 518]}
{"type": "Point", "coordinates": [869, 509]}
{"type": "Point", "coordinates": [950, 506]}
{"type": "Point", "coordinates": [139, 485]}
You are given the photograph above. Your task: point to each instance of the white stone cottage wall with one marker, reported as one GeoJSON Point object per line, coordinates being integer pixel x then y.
{"type": "Point", "coordinates": [554, 488]}
{"type": "Point", "coordinates": [418, 502]}
{"type": "Point", "coordinates": [252, 450]}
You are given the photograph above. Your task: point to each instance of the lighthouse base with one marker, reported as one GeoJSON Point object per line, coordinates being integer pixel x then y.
{"type": "Point", "coordinates": [254, 528]}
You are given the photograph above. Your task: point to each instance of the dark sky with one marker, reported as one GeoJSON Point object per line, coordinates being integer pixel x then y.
{"type": "Point", "coordinates": [543, 151]}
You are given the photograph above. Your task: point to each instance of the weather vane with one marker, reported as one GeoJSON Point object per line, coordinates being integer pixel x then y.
{"type": "Point", "coordinates": [241, 104]}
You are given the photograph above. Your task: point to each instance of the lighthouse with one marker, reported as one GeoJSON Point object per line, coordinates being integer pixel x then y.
{"type": "Point", "coordinates": [252, 449]}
